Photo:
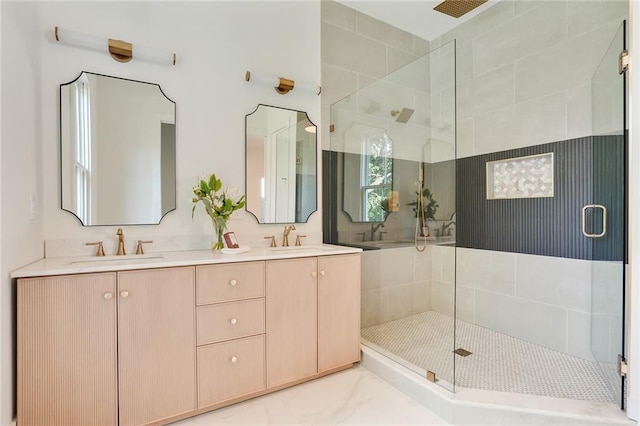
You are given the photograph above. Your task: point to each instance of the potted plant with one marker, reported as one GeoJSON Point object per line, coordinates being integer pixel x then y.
{"type": "Point", "coordinates": [429, 206]}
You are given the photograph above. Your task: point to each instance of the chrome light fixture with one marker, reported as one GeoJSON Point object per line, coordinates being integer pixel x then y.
{"type": "Point", "coordinates": [119, 50]}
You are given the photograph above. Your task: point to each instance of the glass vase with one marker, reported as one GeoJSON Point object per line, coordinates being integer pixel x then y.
{"type": "Point", "coordinates": [219, 226]}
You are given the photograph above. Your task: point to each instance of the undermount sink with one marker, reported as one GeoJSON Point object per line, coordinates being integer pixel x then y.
{"type": "Point", "coordinates": [111, 258]}
{"type": "Point", "coordinates": [300, 248]}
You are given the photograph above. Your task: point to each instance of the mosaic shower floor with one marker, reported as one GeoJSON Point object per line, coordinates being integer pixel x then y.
{"type": "Point", "coordinates": [498, 362]}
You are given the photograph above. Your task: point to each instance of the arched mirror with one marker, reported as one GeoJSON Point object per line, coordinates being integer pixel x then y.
{"type": "Point", "coordinates": [117, 151]}
{"type": "Point", "coordinates": [281, 169]}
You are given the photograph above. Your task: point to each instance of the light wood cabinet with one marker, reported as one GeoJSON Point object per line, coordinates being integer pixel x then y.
{"type": "Point", "coordinates": [153, 346]}
{"type": "Point", "coordinates": [67, 350]}
{"type": "Point", "coordinates": [70, 372]}
{"type": "Point", "coordinates": [156, 344]}
{"type": "Point", "coordinates": [230, 369]}
{"type": "Point", "coordinates": [338, 311]}
{"type": "Point", "coordinates": [291, 320]}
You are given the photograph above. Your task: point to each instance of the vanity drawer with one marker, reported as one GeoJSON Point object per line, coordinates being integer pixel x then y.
{"type": "Point", "coordinates": [222, 283]}
{"type": "Point", "coordinates": [226, 321]}
{"type": "Point", "coordinates": [230, 369]}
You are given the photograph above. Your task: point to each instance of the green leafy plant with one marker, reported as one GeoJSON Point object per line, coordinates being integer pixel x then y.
{"type": "Point", "coordinates": [429, 205]}
{"type": "Point", "coordinates": [218, 203]}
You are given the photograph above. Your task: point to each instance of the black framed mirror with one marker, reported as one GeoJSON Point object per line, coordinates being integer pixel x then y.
{"type": "Point", "coordinates": [281, 165]}
{"type": "Point", "coordinates": [117, 151]}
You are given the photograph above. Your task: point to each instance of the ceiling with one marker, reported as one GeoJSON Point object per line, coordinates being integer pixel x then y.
{"type": "Point", "coordinates": [414, 16]}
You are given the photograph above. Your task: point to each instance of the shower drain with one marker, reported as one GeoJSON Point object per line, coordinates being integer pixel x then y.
{"type": "Point", "coordinates": [462, 352]}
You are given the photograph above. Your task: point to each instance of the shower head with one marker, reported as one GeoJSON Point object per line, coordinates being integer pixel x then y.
{"type": "Point", "coordinates": [457, 8]}
{"type": "Point", "coordinates": [402, 116]}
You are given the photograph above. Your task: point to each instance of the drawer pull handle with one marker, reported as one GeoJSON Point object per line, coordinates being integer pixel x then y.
{"type": "Point", "coordinates": [108, 295]}
{"type": "Point", "coordinates": [233, 321]}
{"type": "Point", "coordinates": [314, 274]}
{"type": "Point", "coordinates": [124, 294]}
{"type": "Point", "coordinates": [233, 282]}
{"type": "Point", "coordinates": [233, 359]}
{"type": "Point", "coordinates": [322, 273]}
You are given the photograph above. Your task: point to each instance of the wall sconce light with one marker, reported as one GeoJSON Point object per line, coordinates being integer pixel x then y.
{"type": "Point", "coordinates": [282, 85]}
{"type": "Point", "coordinates": [119, 50]}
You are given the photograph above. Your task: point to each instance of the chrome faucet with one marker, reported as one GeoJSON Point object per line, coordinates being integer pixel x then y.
{"type": "Point", "coordinates": [374, 228]}
{"type": "Point", "coordinates": [285, 235]}
{"type": "Point", "coordinates": [445, 226]}
{"type": "Point", "coordinates": [121, 251]}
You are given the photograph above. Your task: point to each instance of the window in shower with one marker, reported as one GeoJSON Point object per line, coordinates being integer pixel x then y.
{"type": "Point", "coordinates": [376, 177]}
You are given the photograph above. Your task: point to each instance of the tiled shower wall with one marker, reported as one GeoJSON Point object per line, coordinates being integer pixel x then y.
{"type": "Point", "coordinates": [358, 50]}
{"type": "Point", "coordinates": [523, 76]}
{"type": "Point", "coordinates": [524, 72]}
{"type": "Point", "coordinates": [562, 304]}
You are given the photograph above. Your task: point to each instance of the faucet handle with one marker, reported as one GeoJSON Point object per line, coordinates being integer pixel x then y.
{"type": "Point", "coordinates": [298, 239]}
{"type": "Point", "coordinates": [380, 234]}
{"type": "Point", "coordinates": [273, 240]}
{"type": "Point", "coordinates": [100, 251]}
{"type": "Point", "coordinates": [364, 234]}
{"type": "Point", "coordinates": [139, 249]}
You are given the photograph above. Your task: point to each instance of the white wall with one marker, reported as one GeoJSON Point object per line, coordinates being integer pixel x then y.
{"type": "Point", "coordinates": [216, 42]}
{"type": "Point", "coordinates": [21, 175]}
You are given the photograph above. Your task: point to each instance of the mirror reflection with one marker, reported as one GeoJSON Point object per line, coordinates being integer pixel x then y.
{"type": "Point", "coordinates": [118, 150]}
{"type": "Point", "coordinates": [281, 182]}
{"type": "Point", "coordinates": [368, 175]}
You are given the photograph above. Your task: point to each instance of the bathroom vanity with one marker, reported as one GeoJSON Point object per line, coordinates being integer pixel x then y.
{"type": "Point", "coordinates": [166, 336]}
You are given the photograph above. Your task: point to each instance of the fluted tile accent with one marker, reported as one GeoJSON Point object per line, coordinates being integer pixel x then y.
{"type": "Point", "coordinates": [587, 170]}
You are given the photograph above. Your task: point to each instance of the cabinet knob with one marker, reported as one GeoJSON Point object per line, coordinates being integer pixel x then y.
{"type": "Point", "coordinates": [314, 274]}
{"type": "Point", "coordinates": [124, 294]}
{"type": "Point", "coordinates": [233, 282]}
{"type": "Point", "coordinates": [233, 321]}
{"type": "Point", "coordinates": [233, 359]}
{"type": "Point", "coordinates": [108, 295]}
{"type": "Point", "coordinates": [322, 273]}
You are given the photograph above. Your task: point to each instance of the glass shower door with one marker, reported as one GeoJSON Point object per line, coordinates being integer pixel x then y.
{"type": "Point", "coordinates": [604, 221]}
{"type": "Point", "coordinates": [393, 143]}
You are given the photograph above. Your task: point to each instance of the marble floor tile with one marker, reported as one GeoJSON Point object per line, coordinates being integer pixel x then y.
{"type": "Point", "coordinates": [352, 397]}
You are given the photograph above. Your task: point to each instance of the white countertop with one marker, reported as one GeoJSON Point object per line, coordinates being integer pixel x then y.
{"type": "Point", "coordinates": [88, 264]}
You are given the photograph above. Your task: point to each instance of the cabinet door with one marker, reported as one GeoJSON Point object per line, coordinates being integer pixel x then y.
{"type": "Point", "coordinates": [291, 320]}
{"type": "Point", "coordinates": [67, 350]}
{"type": "Point", "coordinates": [156, 344]}
{"type": "Point", "coordinates": [338, 310]}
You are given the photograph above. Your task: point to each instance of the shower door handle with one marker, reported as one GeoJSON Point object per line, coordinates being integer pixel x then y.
{"type": "Point", "coordinates": [584, 220]}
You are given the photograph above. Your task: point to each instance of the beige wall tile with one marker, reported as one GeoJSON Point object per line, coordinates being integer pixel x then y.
{"type": "Point", "coordinates": [337, 83]}
{"type": "Point", "coordinates": [555, 281]}
{"type": "Point", "coordinates": [536, 30]}
{"type": "Point", "coordinates": [585, 15]}
{"type": "Point", "coordinates": [383, 32]}
{"type": "Point", "coordinates": [541, 120]}
{"type": "Point", "coordinates": [337, 14]}
{"type": "Point", "coordinates": [564, 65]}
{"type": "Point", "coordinates": [339, 45]}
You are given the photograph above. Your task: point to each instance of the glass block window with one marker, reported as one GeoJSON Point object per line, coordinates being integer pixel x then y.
{"type": "Point", "coordinates": [522, 177]}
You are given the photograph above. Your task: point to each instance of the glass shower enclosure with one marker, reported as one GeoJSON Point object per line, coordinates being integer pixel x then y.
{"type": "Point", "coordinates": [390, 189]}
